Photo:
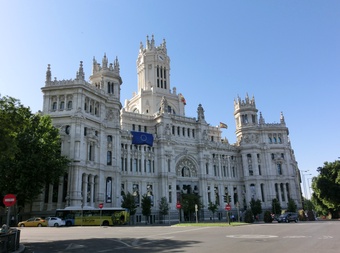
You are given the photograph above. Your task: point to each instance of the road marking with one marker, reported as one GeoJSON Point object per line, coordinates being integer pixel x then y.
{"type": "Point", "coordinates": [326, 237]}
{"type": "Point", "coordinates": [296, 236]}
{"type": "Point", "coordinates": [251, 236]}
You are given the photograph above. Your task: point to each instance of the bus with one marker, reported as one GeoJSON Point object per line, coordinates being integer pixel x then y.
{"type": "Point", "coordinates": [90, 216]}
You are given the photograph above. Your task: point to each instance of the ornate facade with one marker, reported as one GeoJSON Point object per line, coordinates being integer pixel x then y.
{"type": "Point", "coordinates": [188, 155]}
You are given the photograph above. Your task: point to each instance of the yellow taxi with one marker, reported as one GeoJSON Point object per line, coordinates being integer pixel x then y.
{"type": "Point", "coordinates": [33, 222]}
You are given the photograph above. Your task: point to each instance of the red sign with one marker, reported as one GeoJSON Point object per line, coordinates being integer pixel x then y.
{"type": "Point", "coordinates": [9, 200]}
{"type": "Point", "coordinates": [178, 205]}
{"type": "Point", "coordinates": [228, 207]}
{"type": "Point", "coordinates": [101, 205]}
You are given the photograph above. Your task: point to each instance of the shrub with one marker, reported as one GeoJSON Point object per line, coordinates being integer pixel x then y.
{"type": "Point", "coordinates": [267, 217]}
{"type": "Point", "coordinates": [249, 216]}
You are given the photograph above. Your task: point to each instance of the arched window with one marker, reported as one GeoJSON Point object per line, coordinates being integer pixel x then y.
{"type": "Point", "coordinates": [109, 190]}
{"type": "Point", "coordinates": [54, 106]}
{"type": "Point", "coordinates": [109, 138]}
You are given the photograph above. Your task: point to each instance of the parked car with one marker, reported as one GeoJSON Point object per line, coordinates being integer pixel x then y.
{"type": "Point", "coordinates": [33, 222]}
{"type": "Point", "coordinates": [288, 217]}
{"type": "Point", "coordinates": [55, 222]}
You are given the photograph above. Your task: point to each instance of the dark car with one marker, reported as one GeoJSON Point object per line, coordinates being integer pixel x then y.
{"type": "Point", "coordinates": [288, 217]}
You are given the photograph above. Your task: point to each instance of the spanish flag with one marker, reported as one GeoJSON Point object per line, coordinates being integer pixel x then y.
{"type": "Point", "coordinates": [222, 125]}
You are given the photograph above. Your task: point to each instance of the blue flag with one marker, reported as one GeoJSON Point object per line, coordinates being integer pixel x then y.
{"type": "Point", "coordinates": [140, 138]}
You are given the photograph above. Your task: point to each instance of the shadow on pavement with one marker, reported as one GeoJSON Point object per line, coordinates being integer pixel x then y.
{"type": "Point", "coordinates": [125, 245]}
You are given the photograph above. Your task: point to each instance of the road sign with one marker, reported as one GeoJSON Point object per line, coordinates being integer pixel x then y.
{"type": "Point", "coordinates": [228, 207]}
{"type": "Point", "coordinates": [9, 200]}
{"type": "Point", "coordinates": [101, 205]}
{"type": "Point", "coordinates": [178, 205]}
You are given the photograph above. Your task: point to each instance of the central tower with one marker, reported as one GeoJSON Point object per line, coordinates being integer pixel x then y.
{"type": "Point", "coordinates": [153, 85]}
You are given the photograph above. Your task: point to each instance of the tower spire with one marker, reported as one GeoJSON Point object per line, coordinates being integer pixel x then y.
{"type": "Point", "coordinates": [104, 62]}
{"type": "Point", "coordinates": [80, 73]}
{"type": "Point", "coordinates": [48, 73]}
{"type": "Point", "coordinates": [282, 118]}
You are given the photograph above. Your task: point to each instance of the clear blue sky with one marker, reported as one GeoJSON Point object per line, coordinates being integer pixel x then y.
{"type": "Point", "coordinates": [285, 53]}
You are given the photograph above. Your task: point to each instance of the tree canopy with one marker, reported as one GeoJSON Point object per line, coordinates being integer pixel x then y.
{"type": "Point", "coordinates": [212, 208]}
{"type": "Point", "coordinates": [164, 206]}
{"type": "Point", "coordinates": [326, 188]}
{"type": "Point", "coordinates": [256, 206]}
{"type": "Point", "coordinates": [30, 151]}
{"type": "Point", "coordinates": [129, 202]}
{"type": "Point", "coordinates": [146, 206]}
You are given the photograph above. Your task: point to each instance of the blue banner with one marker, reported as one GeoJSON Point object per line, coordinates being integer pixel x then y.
{"type": "Point", "coordinates": [140, 138]}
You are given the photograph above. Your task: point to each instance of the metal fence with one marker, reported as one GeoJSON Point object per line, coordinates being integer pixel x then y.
{"type": "Point", "coordinates": [9, 242]}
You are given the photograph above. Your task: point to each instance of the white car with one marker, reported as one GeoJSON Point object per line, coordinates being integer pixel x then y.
{"type": "Point", "coordinates": [55, 222]}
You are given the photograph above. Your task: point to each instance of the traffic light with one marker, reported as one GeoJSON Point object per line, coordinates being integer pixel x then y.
{"type": "Point", "coordinates": [225, 197]}
{"type": "Point", "coordinates": [229, 198]}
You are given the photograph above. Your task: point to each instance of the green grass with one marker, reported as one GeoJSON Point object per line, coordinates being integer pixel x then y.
{"type": "Point", "coordinates": [210, 224]}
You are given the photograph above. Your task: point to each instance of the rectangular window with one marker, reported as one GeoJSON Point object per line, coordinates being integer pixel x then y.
{"type": "Point", "coordinates": [250, 168]}
{"type": "Point", "coordinates": [262, 192]}
{"type": "Point", "coordinates": [149, 166]}
{"type": "Point", "coordinates": [91, 152]}
{"type": "Point", "coordinates": [282, 193]}
{"type": "Point", "coordinates": [279, 169]}
{"type": "Point", "coordinates": [109, 158]}
{"type": "Point", "coordinates": [135, 166]}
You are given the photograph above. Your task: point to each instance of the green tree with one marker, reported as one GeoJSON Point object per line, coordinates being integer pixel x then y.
{"type": "Point", "coordinates": [30, 154]}
{"type": "Point", "coordinates": [188, 203]}
{"type": "Point", "coordinates": [326, 188]}
{"type": "Point", "coordinates": [276, 207]}
{"type": "Point", "coordinates": [212, 208]}
{"type": "Point", "coordinates": [248, 216]}
{"type": "Point", "coordinates": [163, 207]}
{"type": "Point", "coordinates": [291, 207]}
{"type": "Point", "coordinates": [146, 207]}
{"type": "Point", "coordinates": [256, 206]}
{"type": "Point", "coordinates": [308, 205]}
{"type": "Point", "coordinates": [129, 203]}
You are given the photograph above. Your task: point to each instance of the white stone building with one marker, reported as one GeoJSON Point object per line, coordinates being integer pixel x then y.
{"type": "Point", "coordinates": [187, 156]}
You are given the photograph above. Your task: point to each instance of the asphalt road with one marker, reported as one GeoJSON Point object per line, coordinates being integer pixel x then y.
{"type": "Point", "coordinates": [302, 237]}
